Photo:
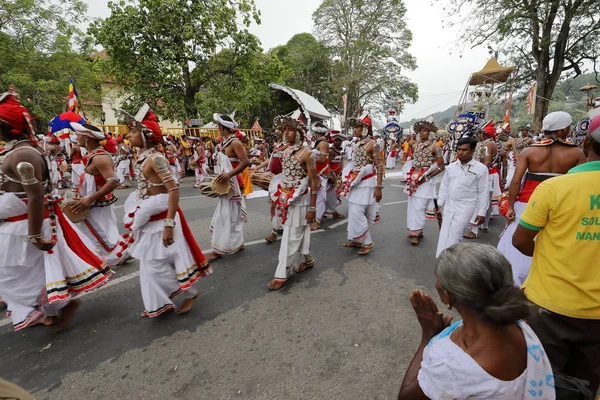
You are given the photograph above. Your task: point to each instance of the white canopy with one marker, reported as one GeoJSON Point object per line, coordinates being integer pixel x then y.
{"type": "Point", "coordinates": [309, 104]}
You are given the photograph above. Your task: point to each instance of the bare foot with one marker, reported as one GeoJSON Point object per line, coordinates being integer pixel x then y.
{"type": "Point", "coordinates": [314, 226]}
{"type": "Point", "coordinates": [47, 321]}
{"type": "Point", "coordinates": [304, 266]}
{"type": "Point", "coordinates": [366, 249]}
{"type": "Point", "coordinates": [351, 243]}
{"type": "Point", "coordinates": [186, 306]}
{"type": "Point", "coordinates": [144, 315]}
{"type": "Point", "coordinates": [470, 235]}
{"type": "Point", "coordinates": [276, 284]}
{"type": "Point", "coordinates": [272, 238]}
{"type": "Point", "coordinates": [415, 240]}
{"type": "Point", "coordinates": [66, 315]}
{"type": "Point", "coordinates": [212, 257]}
{"type": "Point", "coordinates": [337, 215]}
{"type": "Point", "coordinates": [484, 230]}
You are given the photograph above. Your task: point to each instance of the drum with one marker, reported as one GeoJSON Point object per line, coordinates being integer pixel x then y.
{"type": "Point", "coordinates": [66, 205]}
{"type": "Point", "coordinates": [220, 188]}
{"type": "Point", "coordinates": [207, 190]}
{"type": "Point", "coordinates": [262, 179]}
{"type": "Point", "coordinates": [64, 167]}
{"type": "Point", "coordinates": [192, 164]}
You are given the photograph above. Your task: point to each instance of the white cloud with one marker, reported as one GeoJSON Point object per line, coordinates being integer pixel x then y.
{"type": "Point", "coordinates": [443, 67]}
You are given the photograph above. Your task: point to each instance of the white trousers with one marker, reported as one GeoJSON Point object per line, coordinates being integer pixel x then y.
{"type": "Point", "coordinates": [520, 262]}
{"type": "Point", "coordinates": [23, 290]}
{"type": "Point", "coordinates": [295, 242]}
{"type": "Point", "coordinates": [416, 214]}
{"type": "Point", "coordinates": [160, 286]}
{"type": "Point", "coordinates": [453, 228]}
{"type": "Point", "coordinates": [360, 216]}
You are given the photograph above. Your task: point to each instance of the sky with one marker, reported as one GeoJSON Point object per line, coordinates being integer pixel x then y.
{"type": "Point", "coordinates": [443, 65]}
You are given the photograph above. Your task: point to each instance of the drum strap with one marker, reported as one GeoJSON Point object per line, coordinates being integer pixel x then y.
{"type": "Point", "coordinates": [98, 237]}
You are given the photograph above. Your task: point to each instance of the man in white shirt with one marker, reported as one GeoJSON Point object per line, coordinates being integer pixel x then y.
{"type": "Point", "coordinates": [464, 193]}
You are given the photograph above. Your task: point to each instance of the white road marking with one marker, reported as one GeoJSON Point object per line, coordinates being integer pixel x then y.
{"type": "Point", "coordinates": [257, 194]}
{"type": "Point", "coordinates": [182, 198]}
{"type": "Point", "coordinates": [395, 202]}
{"type": "Point", "coordinates": [342, 222]}
{"type": "Point", "coordinates": [398, 186]}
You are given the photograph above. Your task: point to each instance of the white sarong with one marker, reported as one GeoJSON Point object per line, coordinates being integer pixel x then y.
{"type": "Point", "coordinates": [227, 225]}
{"type": "Point", "coordinates": [35, 284]}
{"type": "Point", "coordinates": [101, 226]}
{"type": "Point", "coordinates": [362, 207]}
{"type": "Point", "coordinates": [420, 207]}
{"type": "Point", "coordinates": [520, 262]}
{"type": "Point", "coordinates": [295, 241]}
{"type": "Point", "coordinates": [123, 173]}
{"type": "Point", "coordinates": [77, 170]}
{"type": "Point", "coordinates": [390, 161]}
{"type": "Point", "coordinates": [165, 272]}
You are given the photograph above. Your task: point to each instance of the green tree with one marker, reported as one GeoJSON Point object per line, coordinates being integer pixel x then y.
{"type": "Point", "coordinates": [238, 78]}
{"type": "Point", "coordinates": [544, 38]}
{"type": "Point", "coordinates": [308, 67]}
{"type": "Point", "coordinates": [38, 56]}
{"type": "Point", "coordinates": [368, 41]}
{"type": "Point", "coordinates": [154, 45]}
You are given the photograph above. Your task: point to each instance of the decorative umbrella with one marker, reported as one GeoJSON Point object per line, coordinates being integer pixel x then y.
{"type": "Point", "coordinates": [63, 121]}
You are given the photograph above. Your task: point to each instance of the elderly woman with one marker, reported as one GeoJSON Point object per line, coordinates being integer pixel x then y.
{"type": "Point", "coordinates": [491, 353]}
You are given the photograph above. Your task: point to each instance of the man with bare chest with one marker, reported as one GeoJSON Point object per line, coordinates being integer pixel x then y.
{"type": "Point", "coordinates": [227, 225]}
{"type": "Point", "coordinates": [537, 163]}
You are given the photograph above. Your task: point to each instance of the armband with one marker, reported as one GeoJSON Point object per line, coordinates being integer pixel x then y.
{"type": "Point", "coordinates": [27, 173]}
{"type": "Point", "coordinates": [113, 179]}
{"type": "Point", "coordinates": [166, 177]}
{"type": "Point", "coordinates": [161, 163]}
{"type": "Point", "coordinates": [173, 189]}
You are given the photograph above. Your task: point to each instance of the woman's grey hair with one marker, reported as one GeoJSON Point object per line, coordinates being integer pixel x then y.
{"type": "Point", "coordinates": [480, 278]}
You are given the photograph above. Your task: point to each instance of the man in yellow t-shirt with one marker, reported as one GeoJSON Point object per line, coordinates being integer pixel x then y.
{"type": "Point", "coordinates": [564, 280]}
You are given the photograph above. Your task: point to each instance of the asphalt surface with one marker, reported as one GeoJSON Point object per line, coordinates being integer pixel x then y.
{"type": "Point", "coordinates": [344, 330]}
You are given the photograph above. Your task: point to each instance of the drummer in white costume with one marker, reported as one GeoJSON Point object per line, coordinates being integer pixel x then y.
{"type": "Point", "coordinates": [321, 154]}
{"type": "Point", "coordinates": [362, 185]}
{"type": "Point", "coordinates": [295, 201]}
{"type": "Point", "coordinates": [44, 260]}
{"type": "Point", "coordinates": [124, 164]}
{"type": "Point", "coordinates": [96, 194]}
{"type": "Point", "coordinates": [170, 259]}
{"type": "Point", "coordinates": [227, 225]}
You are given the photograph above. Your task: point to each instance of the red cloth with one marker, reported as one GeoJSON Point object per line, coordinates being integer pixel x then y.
{"type": "Point", "coordinates": [76, 244]}
{"type": "Point", "coordinates": [14, 114]}
{"type": "Point", "coordinates": [336, 167]}
{"type": "Point", "coordinates": [151, 122]}
{"type": "Point", "coordinates": [528, 188]}
{"type": "Point", "coordinates": [199, 257]}
{"type": "Point", "coordinates": [111, 145]}
{"type": "Point", "coordinates": [239, 177]}
{"type": "Point", "coordinates": [77, 159]}
{"type": "Point", "coordinates": [276, 167]}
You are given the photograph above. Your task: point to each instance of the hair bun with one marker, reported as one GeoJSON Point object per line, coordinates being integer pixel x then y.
{"type": "Point", "coordinates": [507, 305]}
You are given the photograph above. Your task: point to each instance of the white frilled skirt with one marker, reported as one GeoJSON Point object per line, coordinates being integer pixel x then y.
{"type": "Point", "coordinates": [296, 238]}
{"type": "Point", "coordinates": [520, 262]}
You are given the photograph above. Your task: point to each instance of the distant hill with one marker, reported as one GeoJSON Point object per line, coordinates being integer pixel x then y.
{"type": "Point", "coordinates": [567, 97]}
{"type": "Point", "coordinates": [441, 118]}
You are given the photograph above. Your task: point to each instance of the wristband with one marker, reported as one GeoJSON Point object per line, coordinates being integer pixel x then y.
{"type": "Point", "coordinates": [312, 209]}
{"type": "Point", "coordinates": [169, 223]}
{"type": "Point", "coordinates": [379, 187]}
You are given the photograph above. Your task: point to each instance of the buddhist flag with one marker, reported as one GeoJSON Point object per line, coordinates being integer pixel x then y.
{"type": "Point", "coordinates": [531, 99]}
{"type": "Point", "coordinates": [73, 97]}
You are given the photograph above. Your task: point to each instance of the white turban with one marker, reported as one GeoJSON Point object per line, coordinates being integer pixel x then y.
{"type": "Point", "coordinates": [88, 130]}
{"type": "Point", "coordinates": [556, 120]}
{"type": "Point", "coordinates": [227, 124]}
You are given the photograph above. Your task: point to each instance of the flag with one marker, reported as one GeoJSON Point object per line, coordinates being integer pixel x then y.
{"type": "Point", "coordinates": [531, 99]}
{"type": "Point", "coordinates": [73, 97]}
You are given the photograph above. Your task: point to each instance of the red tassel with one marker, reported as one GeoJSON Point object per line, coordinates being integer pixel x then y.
{"type": "Point", "coordinates": [125, 235]}
{"type": "Point", "coordinates": [131, 240]}
{"type": "Point", "coordinates": [50, 251]}
{"type": "Point", "coordinates": [131, 215]}
{"type": "Point", "coordinates": [121, 244]}
{"type": "Point", "coordinates": [119, 254]}
{"type": "Point", "coordinates": [128, 226]}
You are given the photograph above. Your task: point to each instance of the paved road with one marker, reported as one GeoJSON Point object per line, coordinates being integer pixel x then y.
{"type": "Point", "coordinates": [344, 330]}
